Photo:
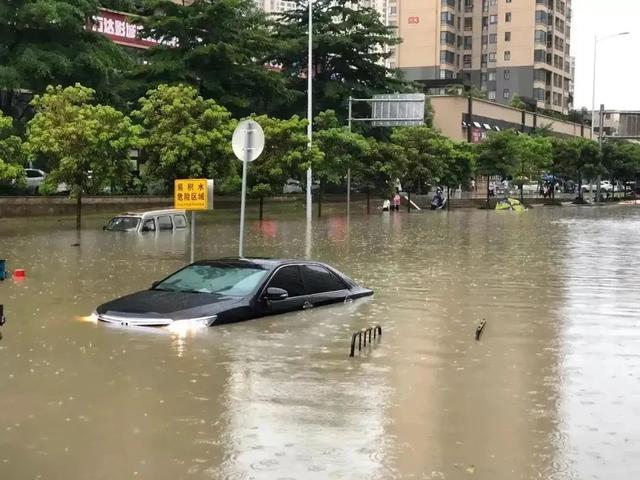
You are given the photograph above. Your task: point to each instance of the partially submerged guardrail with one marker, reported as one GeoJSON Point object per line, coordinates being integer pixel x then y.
{"type": "Point", "coordinates": [480, 329]}
{"type": "Point", "coordinates": [376, 332]}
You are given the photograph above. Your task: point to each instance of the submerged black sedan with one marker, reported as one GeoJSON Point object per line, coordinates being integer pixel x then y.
{"type": "Point", "coordinates": [213, 292]}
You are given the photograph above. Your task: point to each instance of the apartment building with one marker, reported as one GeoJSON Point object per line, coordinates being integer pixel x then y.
{"type": "Point", "coordinates": [619, 123]}
{"type": "Point", "coordinates": [503, 47]}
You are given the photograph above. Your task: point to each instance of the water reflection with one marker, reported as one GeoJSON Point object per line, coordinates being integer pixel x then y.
{"type": "Point", "coordinates": [547, 392]}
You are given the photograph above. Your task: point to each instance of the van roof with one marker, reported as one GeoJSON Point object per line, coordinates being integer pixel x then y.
{"type": "Point", "coordinates": [152, 212]}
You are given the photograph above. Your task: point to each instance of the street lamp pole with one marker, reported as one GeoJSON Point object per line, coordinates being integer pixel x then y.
{"type": "Point", "coordinates": [310, 107]}
{"type": "Point", "coordinates": [593, 102]}
{"type": "Point", "coordinates": [593, 91]}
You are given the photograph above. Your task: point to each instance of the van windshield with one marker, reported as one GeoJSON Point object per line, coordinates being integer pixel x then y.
{"type": "Point", "coordinates": [122, 224]}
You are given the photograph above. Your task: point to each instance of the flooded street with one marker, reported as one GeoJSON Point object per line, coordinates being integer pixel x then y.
{"type": "Point", "coordinates": [550, 391]}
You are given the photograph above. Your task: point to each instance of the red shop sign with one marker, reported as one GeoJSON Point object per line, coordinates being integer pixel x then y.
{"type": "Point", "coordinates": [414, 20]}
{"type": "Point", "coordinates": [119, 28]}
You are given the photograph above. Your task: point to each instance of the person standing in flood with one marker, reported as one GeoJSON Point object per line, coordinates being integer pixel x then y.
{"type": "Point", "coordinates": [396, 202]}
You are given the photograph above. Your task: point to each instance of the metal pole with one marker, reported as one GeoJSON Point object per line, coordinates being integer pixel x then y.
{"type": "Point", "coordinates": [600, 132]}
{"type": "Point", "coordinates": [593, 88]}
{"type": "Point", "coordinates": [248, 146]}
{"type": "Point", "coordinates": [349, 168]}
{"type": "Point", "coordinates": [310, 106]}
{"type": "Point", "coordinates": [193, 234]}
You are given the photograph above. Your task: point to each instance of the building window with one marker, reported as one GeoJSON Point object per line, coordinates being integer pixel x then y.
{"type": "Point", "coordinates": [447, 57]}
{"type": "Point", "coordinates": [493, 19]}
{"type": "Point", "coordinates": [447, 18]}
{"type": "Point", "coordinates": [538, 94]}
{"type": "Point", "coordinates": [492, 57]}
{"type": "Point", "coordinates": [491, 95]}
{"type": "Point", "coordinates": [507, 36]}
{"type": "Point", "coordinates": [468, 23]}
{"type": "Point", "coordinates": [466, 61]}
{"type": "Point", "coordinates": [468, 43]}
{"type": "Point", "coordinates": [447, 38]}
{"type": "Point", "coordinates": [492, 76]}
{"type": "Point", "coordinates": [541, 37]}
{"type": "Point", "coordinates": [542, 17]}
{"type": "Point", "coordinates": [507, 55]}
{"type": "Point", "coordinates": [507, 74]}
{"type": "Point", "coordinates": [507, 17]}
{"type": "Point", "coordinates": [483, 61]}
{"type": "Point", "coordinates": [505, 94]}
{"type": "Point", "coordinates": [540, 75]}
{"type": "Point", "coordinates": [540, 56]}
{"type": "Point", "coordinates": [493, 38]}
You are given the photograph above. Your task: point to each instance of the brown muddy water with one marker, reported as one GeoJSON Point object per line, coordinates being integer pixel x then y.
{"type": "Point", "coordinates": [551, 390]}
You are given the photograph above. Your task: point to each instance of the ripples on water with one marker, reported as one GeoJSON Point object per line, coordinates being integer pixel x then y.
{"type": "Point", "coordinates": [548, 391]}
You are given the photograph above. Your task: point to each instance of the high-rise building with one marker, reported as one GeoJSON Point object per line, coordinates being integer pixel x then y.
{"type": "Point", "coordinates": [503, 47]}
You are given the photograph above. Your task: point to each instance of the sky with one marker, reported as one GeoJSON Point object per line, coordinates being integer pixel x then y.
{"type": "Point", "coordinates": [618, 68]}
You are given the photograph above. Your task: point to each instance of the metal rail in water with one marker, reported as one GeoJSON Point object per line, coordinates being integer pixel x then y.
{"type": "Point", "coordinates": [376, 332]}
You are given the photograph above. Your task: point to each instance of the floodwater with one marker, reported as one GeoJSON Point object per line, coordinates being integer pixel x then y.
{"type": "Point", "coordinates": [550, 391]}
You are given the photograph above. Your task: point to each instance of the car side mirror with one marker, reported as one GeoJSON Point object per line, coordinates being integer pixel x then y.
{"type": "Point", "coordinates": [155, 284]}
{"type": "Point", "coordinates": [276, 294]}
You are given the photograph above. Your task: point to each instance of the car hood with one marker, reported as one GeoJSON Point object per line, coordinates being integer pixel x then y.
{"type": "Point", "coordinates": [149, 304]}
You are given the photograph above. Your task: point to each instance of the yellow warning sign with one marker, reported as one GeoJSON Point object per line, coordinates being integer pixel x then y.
{"type": "Point", "coordinates": [191, 194]}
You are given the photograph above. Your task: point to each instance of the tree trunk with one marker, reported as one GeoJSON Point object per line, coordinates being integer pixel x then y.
{"type": "Point", "coordinates": [580, 185]}
{"type": "Point", "coordinates": [409, 201]}
{"type": "Point", "coordinates": [368, 202]}
{"type": "Point", "coordinates": [261, 206]}
{"type": "Point", "coordinates": [449, 197]}
{"type": "Point", "coordinates": [522, 193]}
{"type": "Point", "coordinates": [79, 211]}
{"type": "Point", "coordinates": [488, 191]}
{"type": "Point", "coordinates": [320, 201]}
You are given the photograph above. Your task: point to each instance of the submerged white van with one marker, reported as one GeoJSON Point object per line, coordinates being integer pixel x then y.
{"type": "Point", "coordinates": [148, 221]}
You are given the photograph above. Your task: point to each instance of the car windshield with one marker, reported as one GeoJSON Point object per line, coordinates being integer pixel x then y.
{"type": "Point", "coordinates": [123, 223]}
{"type": "Point", "coordinates": [225, 279]}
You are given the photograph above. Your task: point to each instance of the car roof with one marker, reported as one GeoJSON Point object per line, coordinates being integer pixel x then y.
{"type": "Point", "coordinates": [151, 212]}
{"type": "Point", "coordinates": [261, 262]}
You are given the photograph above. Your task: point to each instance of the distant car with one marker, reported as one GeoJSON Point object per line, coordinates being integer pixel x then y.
{"type": "Point", "coordinates": [148, 221]}
{"type": "Point", "coordinates": [35, 178]}
{"type": "Point", "coordinates": [292, 186]}
{"type": "Point", "coordinates": [213, 292]}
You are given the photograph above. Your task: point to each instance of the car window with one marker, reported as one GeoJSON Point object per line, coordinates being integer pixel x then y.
{"type": "Point", "coordinates": [122, 224]}
{"type": "Point", "coordinates": [289, 279]}
{"type": "Point", "coordinates": [223, 279]}
{"type": "Point", "coordinates": [33, 174]}
{"type": "Point", "coordinates": [165, 223]}
{"type": "Point", "coordinates": [318, 279]}
{"type": "Point", "coordinates": [149, 225]}
{"type": "Point", "coordinates": [180, 221]}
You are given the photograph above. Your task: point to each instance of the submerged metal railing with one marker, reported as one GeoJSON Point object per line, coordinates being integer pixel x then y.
{"type": "Point", "coordinates": [376, 332]}
{"type": "Point", "coordinates": [480, 329]}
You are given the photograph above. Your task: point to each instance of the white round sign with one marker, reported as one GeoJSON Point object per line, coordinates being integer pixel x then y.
{"type": "Point", "coordinates": [248, 140]}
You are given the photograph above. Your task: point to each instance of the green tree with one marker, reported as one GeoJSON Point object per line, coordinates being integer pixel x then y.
{"type": "Point", "coordinates": [497, 154]}
{"type": "Point", "coordinates": [516, 102]}
{"type": "Point", "coordinates": [531, 157]}
{"type": "Point", "coordinates": [575, 157]}
{"type": "Point", "coordinates": [350, 44]}
{"type": "Point", "coordinates": [621, 159]}
{"type": "Point", "coordinates": [44, 42]}
{"type": "Point", "coordinates": [285, 155]}
{"type": "Point", "coordinates": [460, 165]}
{"type": "Point", "coordinates": [89, 143]}
{"type": "Point", "coordinates": [11, 153]}
{"type": "Point", "coordinates": [427, 154]}
{"type": "Point", "coordinates": [186, 136]}
{"type": "Point", "coordinates": [223, 50]}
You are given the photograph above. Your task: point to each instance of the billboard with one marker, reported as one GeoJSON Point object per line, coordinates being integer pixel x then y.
{"type": "Point", "coordinates": [398, 109]}
{"type": "Point", "coordinates": [120, 28]}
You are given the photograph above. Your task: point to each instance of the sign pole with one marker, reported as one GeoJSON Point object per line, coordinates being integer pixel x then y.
{"type": "Point", "coordinates": [193, 234]}
{"type": "Point", "coordinates": [247, 144]}
{"type": "Point", "coordinates": [247, 158]}
{"type": "Point", "coordinates": [349, 167]}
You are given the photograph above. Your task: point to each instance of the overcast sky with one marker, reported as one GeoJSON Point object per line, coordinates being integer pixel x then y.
{"type": "Point", "coordinates": [618, 65]}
